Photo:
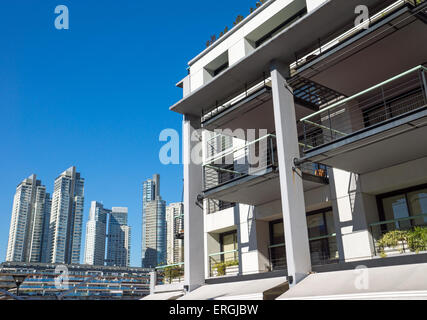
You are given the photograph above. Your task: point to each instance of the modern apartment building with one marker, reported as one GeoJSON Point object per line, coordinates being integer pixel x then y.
{"type": "Point", "coordinates": [118, 244]}
{"type": "Point", "coordinates": [175, 233]}
{"type": "Point", "coordinates": [66, 219]}
{"type": "Point", "coordinates": [29, 221]}
{"type": "Point", "coordinates": [314, 132]}
{"type": "Point", "coordinates": [96, 234]}
{"type": "Point", "coordinates": [153, 224]}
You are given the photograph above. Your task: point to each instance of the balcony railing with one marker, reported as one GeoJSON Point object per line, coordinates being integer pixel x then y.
{"type": "Point", "coordinates": [252, 159]}
{"type": "Point", "coordinates": [172, 273]}
{"type": "Point", "coordinates": [348, 33]}
{"type": "Point", "coordinates": [214, 205]}
{"type": "Point", "coordinates": [224, 263]}
{"type": "Point", "coordinates": [379, 229]}
{"type": "Point", "coordinates": [323, 250]}
{"type": "Point", "coordinates": [382, 103]}
{"type": "Point", "coordinates": [238, 96]}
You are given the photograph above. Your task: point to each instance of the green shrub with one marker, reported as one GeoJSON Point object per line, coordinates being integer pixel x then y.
{"type": "Point", "coordinates": [221, 267]}
{"type": "Point", "coordinates": [391, 239]}
{"type": "Point", "coordinates": [174, 272]}
{"type": "Point", "coordinates": [417, 239]}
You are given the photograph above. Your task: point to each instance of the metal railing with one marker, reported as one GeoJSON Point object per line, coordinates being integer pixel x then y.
{"type": "Point", "coordinates": [172, 273]}
{"type": "Point", "coordinates": [383, 102]}
{"type": "Point", "coordinates": [324, 46]}
{"type": "Point", "coordinates": [379, 229]}
{"type": "Point", "coordinates": [224, 263]}
{"type": "Point", "coordinates": [240, 94]}
{"type": "Point", "coordinates": [214, 205]}
{"type": "Point", "coordinates": [254, 159]}
{"type": "Point", "coordinates": [277, 257]}
{"type": "Point", "coordinates": [251, 159]}
{"type": "Point", "coordinates": [328, 253]}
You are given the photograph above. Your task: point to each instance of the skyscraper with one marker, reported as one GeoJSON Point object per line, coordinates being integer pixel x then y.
{"type": "Point", "coordinates": [39, 243]}
{"type": "Point", "coordinates": [118, 250]}
{"type": "Point", "coordinates": [65, 230]}
{"type": "Point", "coordinates": [30, 214]}
{"type": "Point", "coordinates": [96, 233]}
{"type": "Point", "coordinates": [153, 224]}
{"type": "Point", "coordinates": [174, 223]}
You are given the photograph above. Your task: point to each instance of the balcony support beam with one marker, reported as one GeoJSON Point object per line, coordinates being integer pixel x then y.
{"type": "Point", "coordinates": [291, 184]}
{"type": "Point", "coordinates": [193, 215]}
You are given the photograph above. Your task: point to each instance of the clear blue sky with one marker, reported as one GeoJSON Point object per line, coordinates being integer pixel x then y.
{"type": "Point", "coordinates": [97, 95]}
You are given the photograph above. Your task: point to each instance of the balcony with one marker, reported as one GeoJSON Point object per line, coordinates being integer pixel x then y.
{"type": "Point", "coordinates": [380, 120]}
{"type": "Point", "coordinates": [323, 250]}
{"type": "Point", "coordinates": [250, 175]}
{"type": "Point", "coordinates": [224, 264]}
{"type": "Point", "coordinates": [170, 274]}
{"type": "Point", "coordinates": [397, 236]}
{"type": "Point", "coordinates": [251, 107]}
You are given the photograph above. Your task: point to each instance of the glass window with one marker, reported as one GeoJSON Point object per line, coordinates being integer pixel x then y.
{"type": "Point", "coordinates": [404, 205]}
{"type": "Point", "coordinates": [277, 248]}
{"type": "Point", "coordinates": [417, 201]}
{"type": "Point", "coordinates": [395, 207]}
{"type": "Point", "coordinates": [277, 233]}
{"type": "Point", "coordinates": [316, 225]}
{"type": "Point", "coordinates": [229, 244]}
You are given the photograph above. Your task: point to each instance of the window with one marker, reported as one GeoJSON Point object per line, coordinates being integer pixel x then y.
{"type": "Point", "coordinates": [408, 204]}
{"type": "Point", "coordinates": [228, 243]}
{"type": "Point", "coordinates": [321, 230]}
{"type": "Point", "coordinates": [277, 249]}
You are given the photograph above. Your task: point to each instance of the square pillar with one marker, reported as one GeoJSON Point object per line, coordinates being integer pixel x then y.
{"type": "Point", "coordinates": [350, 205]}
{"type": "Point", "coordinates": [193, 214]}
{"type": "Point", "coordinates": [291, 184]}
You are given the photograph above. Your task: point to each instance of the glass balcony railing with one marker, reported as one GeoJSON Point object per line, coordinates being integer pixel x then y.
{"type": "Point", "coordinates": [397, 236]}
{"type": "Point", "coordinates": [224, 263]}
{"type": "Point", "coordinates": [399, 96]}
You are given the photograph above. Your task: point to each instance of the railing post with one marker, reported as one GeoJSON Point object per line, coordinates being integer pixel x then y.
{"type": "Point", "coordinates": [330, 124]}
{"type": "Point", "coordinates": [305, 136]}
{"type": "Point", "coordinates": [271, 151]}
{"type": "Point", "coordinates": [387, 114]}
{"type": "Point", "coordinates": [423, 76]}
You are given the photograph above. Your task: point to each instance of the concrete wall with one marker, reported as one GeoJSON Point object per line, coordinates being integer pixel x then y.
{"type": "Point", "coordinates": [313, 4]}
{"type": "Point", "coordinates": [234, 41]}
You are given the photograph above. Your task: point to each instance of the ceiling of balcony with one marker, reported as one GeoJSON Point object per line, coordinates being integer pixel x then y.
{"type": "Point", "coordinates": [384, 147]}
{"type": "Point", "coordinates": [393, 48]}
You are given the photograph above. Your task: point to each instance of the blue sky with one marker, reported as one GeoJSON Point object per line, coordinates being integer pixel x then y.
{"type": "Point", "coordinates": [97, 95]}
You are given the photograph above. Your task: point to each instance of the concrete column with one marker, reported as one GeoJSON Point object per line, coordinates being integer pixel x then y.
{"type": "Point", "coordinates": [193, 215]}
{"type": "Point", "coordinates": [249, 254]}
{"type": "Point", "coordinates": [153, 281]}
{"type": "Point", "coordinates": [291, 184]}
{"type": "Point", "coordinates": [350, 204]}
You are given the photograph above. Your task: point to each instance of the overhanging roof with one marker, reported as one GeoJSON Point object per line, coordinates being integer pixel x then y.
{"type": "Point", "coordinates": [393, 282]}
{"type": "Point", "coordinates": [299, 37]}
{"type": "Point", "coordinates": [239, 290]}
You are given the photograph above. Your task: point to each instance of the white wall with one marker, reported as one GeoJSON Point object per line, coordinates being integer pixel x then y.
{"type": "Point", "coordinates": [234, 41]}
{"type": "Point", "coordinates": [313, 4]}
